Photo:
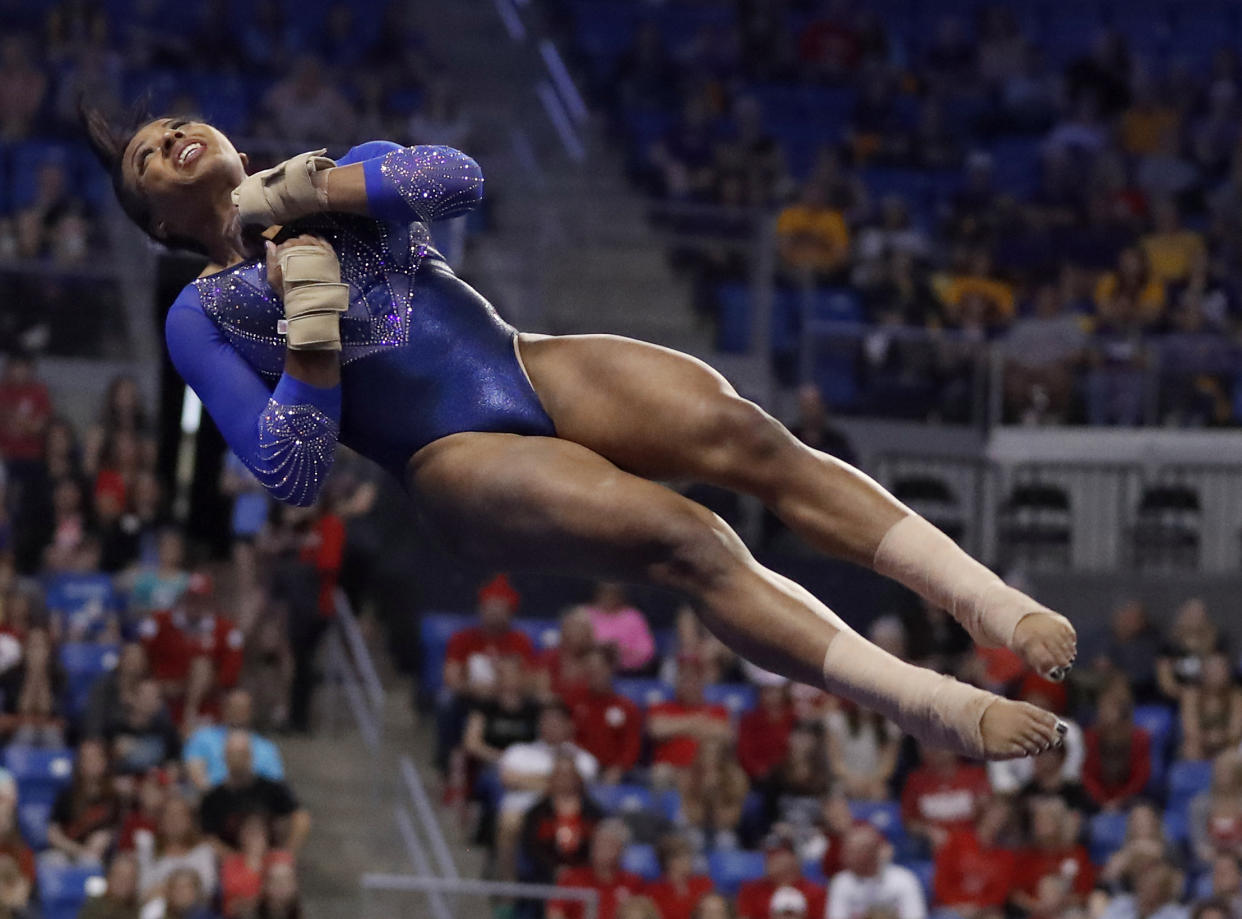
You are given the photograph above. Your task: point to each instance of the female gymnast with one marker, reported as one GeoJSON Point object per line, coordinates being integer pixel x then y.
{"type": "Point", "coordinates": [526, 450]}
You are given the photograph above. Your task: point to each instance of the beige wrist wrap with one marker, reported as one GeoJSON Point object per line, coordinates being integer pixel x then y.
{"type": "Point", "coordinates": [283, 193]}
{"type": "Point", "coordinates": [314, 298]}
{"type": "Point", "coordinates": [934, 708]}
{"type": "Point", "coordinates": [916, 554]}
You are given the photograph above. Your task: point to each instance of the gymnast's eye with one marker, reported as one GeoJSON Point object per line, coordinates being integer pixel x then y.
{"type": "Point", "coordinates": [142, 160]}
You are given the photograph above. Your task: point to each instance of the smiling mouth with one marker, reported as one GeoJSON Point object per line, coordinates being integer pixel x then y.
{"type": "Point", "coordinates": [189, 153]}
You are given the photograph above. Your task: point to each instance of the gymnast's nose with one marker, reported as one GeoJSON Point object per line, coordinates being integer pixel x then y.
{"type": "Point", "coordinates": [170, 138]}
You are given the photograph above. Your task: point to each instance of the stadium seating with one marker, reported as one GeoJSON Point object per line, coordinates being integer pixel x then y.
{"type": "Point", "coordinates": [642, 860]}
{"type": "Point", "coordinates": [63, 889]}
{"type": "Point", "coordinates": [729, 869]}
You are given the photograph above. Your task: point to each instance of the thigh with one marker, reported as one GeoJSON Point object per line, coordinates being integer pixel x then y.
{"type": "Point", "coordinates": [651, 410]}
{"type": "Point", "coordinates": [541, 502]}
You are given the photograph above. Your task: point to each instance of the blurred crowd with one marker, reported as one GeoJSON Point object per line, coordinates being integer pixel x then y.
{"type": "Point", "coordinates": [1059, 180]}
{"type": "Point", "coordinates": [141, 683]}
{"type": "Point", "coordinates": [679, 782]}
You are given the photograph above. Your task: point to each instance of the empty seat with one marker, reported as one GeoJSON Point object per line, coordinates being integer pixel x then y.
{"type": "Point", "coordinates": [1035, 525]}
{"type": "Point", "coordinates": [642, 860]}
{"type": "Point", "coordinates": [643, 692]}
{"type": "Point", "coordinates": [434, 632]}
{"type": "Point", "coordinates": [1187, 779]}
{"type": "Point", "coordinates": [931, 497]}
{"type": "Point", "coordinates": [1106, 834]}
{"type": "Point", "coordinates": [1166, 530]}
{"type": "Point", "coordinates": [736, 697]}
{"type": "Point", "coordinates": [730, 869]}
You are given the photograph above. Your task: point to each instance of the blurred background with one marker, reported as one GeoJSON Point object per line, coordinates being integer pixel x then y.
{"type": "Point", "coordinates": [989, 252]}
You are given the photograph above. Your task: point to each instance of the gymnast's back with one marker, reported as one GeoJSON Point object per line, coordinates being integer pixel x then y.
{"type": "Point", "coordinates": [422, 355]}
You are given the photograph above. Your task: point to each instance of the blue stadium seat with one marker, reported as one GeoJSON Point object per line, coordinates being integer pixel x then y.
{"type": "Point", "coordinates": [1177, 826]}
{"type": "Point", "coordinates": [642, 860]}
{"type": "Point", "coordinates": [733, 318]}
{"type": "Point", "coordinates": [33, 818]}
{"type": "Point", "coordinates": [624, 799]}
{"type": "Point", "coordinates": [813, 871]}
{"type": "Point", "coordinates": [643, 692]}
{"type": "Point", "coordinates": [836, 304]}
{"type": "Point", "coordinates": [665, 642]}
{"type": "Point", "coordinates": [1187, 778]}
{"type": "Point", "coordinates": [25, 161]}
{"type": "Point", "coordinates": [63, 890]}
{"type": "Point", "coordinates": [736, 697]}
{"type": "Point", "coordinates": [84, 663]}
{"type": "Point", "coordinates": [925, 871]}
{"type": "Point", "coordinates": [434, 632]}
{"type": "Point", "coordinates": [1159, 722]}
{"type": "Point", "coordinates": [1106, 834]}
{"type": "Point", "coordinates": [730, 869]}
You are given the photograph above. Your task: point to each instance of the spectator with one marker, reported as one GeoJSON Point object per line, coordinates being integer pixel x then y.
{"type": "Point", "coordinates": [144, 810]}
{"type": "Point", "coordinates": [713, 792]}
{"type": "Point", "coordinates": [781, 869]}
{"type": "Point", "coordinates": [714, 906]}
{"type": "Point", "coordinates": [1118, 763]}
{"type": "Point", "coordinates": [193, 628]}
{"type": "Point", "coordinates": [1211, 711]}
{"type": "Point", "coordinates": [281, 898]}
{"type": "Point", "coordinates": [1052, 773]}
{"type": "Point", "coordinates": [677, 727]}
{"type": "Point", "coordinates": [1191, 638]}
{"type": "Point", "coordinates": [1226, 881]}
{"type": "Point", "coordinates": [1155, 884]}
{"type": "Point", "coordinates": [141, 734]}
{"type": "Point", "coordinates": [763, 733]}
{"type": "Point", "coordinates": [640, 907]}
{"type": "Point", "coordinates": [787, 903]}
{"type": "Point", "coordinates": [867, 883]}
{"type": "Point", "coordinates": [184, 898]}
{"type": "Point", "coordinates": [225, 808]}
{"type": "Point", "coordinates": [25, 412]}
{"type": "Point", "coordinates": [862, 750]}
{"type": "Point", "coordinates": [161, 586]}
{"type": "Point", "coordinates": [31, 694]}
{"type": "Point", "coordinates": [83, 604]}
{"type": "Point", "coordinates": [556, 831]}
{"type": "Point", "coordinates": [305, 105]}
{"type": "Point", "coordinates": [12, 845]}
{"type": "Point", "coordinates": [1215, 815]}
{"type": "Point", "coordinates": [1134, 280]}
{"type": "Point", "coordinates": [603, 874]}
{"type": "Point", "coordinates": [563, 667]}
{"type": "Point", "coordinates": [825, 846]}
{"type": "Point", "coordinates": [524, 771]}
{"type": "Point", "coordinates": [512, 717]}
{"type": "Point", "coordinates": [120, 898]}
{"type": "Point", "coordinates": [814, 426]}
{"type": "Point", "coordinates": [606, 724]}
{"type": "Point", "coordinates": [1172, 250]}
{"type": "Point", "coordinates": [696, 646]}
{"type": "Point", "coordinates": [176, 844]}
{"type": "Point", "coordinates": [619, 624]}
{"type": "Point", "coordinates": [679, 890]}
{"type": "Point", "coordinates": [86, 812]}
{"type": "Point", "coordinates": [800, 777]}
{"type": "Point", "coordinates": [23, 89]}
{"type": "Point", "coordinates": [974, 870]}
{"type": "Point", "coordinates": [1119, 358]}
{"type": "Point", "coordinates": [1145, 842]}
{"type": "Point", "coordinates": [1042, 352]}
{"type": "Point", "coordinates": [941, 795]}
{"type": "Point", "coordinates": [1131, 648]}
{"type": "Point", "coordinates": [241, 872]}
{"type": "Point", "coordinates": [813, 239]}
{"type": "Point", "coordinates": [1051, 849]}
{"type": "Point", "coordinates": [204, 752]}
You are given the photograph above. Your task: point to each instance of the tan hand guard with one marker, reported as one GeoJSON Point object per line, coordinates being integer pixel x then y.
{"type": "Point", "coordinates": [283, 193]}
{"type": "Point", "coordinates": [314, 298]}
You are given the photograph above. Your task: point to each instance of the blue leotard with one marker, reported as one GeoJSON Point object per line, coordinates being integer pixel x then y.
{"type": "Point", "coordinates": [423, 355]}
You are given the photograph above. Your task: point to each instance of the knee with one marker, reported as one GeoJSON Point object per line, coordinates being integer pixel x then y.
{"type": "Point", "coordinates": [746, 444]}
{"type": "Point", "coordinates": [696, 553]}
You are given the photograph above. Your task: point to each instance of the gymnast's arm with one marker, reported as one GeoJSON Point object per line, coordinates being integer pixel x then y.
{"type": "Point", "coordinates": [287, 437]}
{"type": "Point", "coordinates": [403, 184]}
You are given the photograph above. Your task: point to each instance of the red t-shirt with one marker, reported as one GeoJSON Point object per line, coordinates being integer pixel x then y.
{"type": "Point", "coordinates": [476, 641]}
{"type": "Point", "coordinates": [948, 800]}
{"type": "Point", "coordinates": [1109, 789]}
{"type": "Point", "coordinates": [968, 873]}
{"type": "Point", "coordinates": [675, 903]}
{"type": "Point", "coordinates": [29, 406]}
{"type": "Point", "coordinates": [763, 741]}
{"type": "Point", "coordinates": [565, 675]}
{"type": "Point", "coordinates": [754, 899]}
{"type": "Point", "coordinates": [611, 893]}
{"type": "Point", "coordinates": [606, 725]}
{"type": "Point", "coordinates": [172, 642]}
{"type": "Point", "coordinates": [681, 749]}
{"type": "Point", "coordinates": [1072, 861]}
{"type": "Point", "coordinates": [327, 554]}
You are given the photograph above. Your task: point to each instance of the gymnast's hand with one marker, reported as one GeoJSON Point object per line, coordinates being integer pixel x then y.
{"type": "Point", "coordinates": [285, 192]}
{"type": "Point", "coordinates": [275, 276]}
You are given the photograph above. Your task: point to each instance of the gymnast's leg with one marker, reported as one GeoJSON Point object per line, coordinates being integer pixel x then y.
{"type": "Point", "coordinates": [547, 503]}
{"type": "Point", "coordinates": [664, 415]}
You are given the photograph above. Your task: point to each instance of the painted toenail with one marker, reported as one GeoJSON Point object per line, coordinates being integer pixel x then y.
{"type": "Point", "coordinates": [1062, 727]}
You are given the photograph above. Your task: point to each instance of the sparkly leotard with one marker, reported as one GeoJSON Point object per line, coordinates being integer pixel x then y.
{"type": "Point", "coordinates": [423, 355]}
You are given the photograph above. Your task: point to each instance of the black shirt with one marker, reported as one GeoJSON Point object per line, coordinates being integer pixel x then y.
{"type": "Point", "coordinates": [503, 727]}
{"type": "Point", "coordinates": [225, 808]}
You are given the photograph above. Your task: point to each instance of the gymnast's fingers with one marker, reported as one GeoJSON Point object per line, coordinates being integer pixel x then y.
{"type": "Point", "coordinates": [275, 279]}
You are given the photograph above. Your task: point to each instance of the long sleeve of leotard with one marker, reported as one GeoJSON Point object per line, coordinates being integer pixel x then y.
{"type": "Point", "coordinates": [286, 437]}
{"type": "Point", "coordinates": [425, 183]}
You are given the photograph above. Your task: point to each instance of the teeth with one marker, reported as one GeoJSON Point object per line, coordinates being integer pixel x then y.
{"type": "Point", "coordinates": [187, 151]}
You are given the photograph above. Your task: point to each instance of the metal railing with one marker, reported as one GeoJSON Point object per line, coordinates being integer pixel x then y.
{"type": "Point", "coordinates": [374, 886]}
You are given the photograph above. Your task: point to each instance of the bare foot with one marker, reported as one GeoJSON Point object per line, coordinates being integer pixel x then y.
{"type": "Point", "coordinates": [1047, 643]}
{"type": "Point", "coordinates": [1012, 730]}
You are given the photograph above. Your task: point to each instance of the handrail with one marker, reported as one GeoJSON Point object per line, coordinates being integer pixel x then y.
{"type": "Point", "coordinates": [357, 644]}
{"type": "Point", "coordinates": [431, 826]}
{"type": "Point", "coordinates": [380, 882]}
{"type": "Point", "coordinates": [405, 826]}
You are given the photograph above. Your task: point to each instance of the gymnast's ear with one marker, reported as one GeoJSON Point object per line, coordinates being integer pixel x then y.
{"type": "Point", "coordinates": [245, 160]}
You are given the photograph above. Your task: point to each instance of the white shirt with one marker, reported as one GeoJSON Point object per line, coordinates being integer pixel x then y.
{"type": "Point", "coordinates": [537, 759]}
{"type": "Point", "coordinates": [893, 887]}
{"type": "Point", "coordinates": [1010, 775]}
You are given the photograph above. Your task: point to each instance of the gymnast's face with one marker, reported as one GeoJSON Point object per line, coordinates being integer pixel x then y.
{"type": "Point", "coordinates": [184, 171]}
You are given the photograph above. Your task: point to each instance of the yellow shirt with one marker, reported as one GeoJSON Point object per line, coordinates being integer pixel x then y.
{"type": "Point", "coordinates": [814, 238]}
{"type": "Point", "coordinates": [1151, 299]}
{"type": "Point", "coordinates": [998, 294]}
{"type": "Point", "coordinates": [1143, 129]}
{"type": "Point", "coordinates": [1172, 255]}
